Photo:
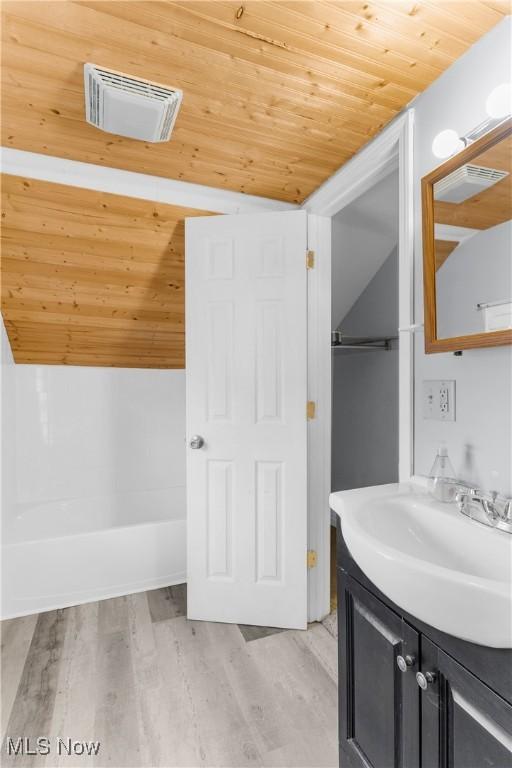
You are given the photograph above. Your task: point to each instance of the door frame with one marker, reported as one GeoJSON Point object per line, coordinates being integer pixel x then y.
{"type": "Point", "coordinates": [392, 149]}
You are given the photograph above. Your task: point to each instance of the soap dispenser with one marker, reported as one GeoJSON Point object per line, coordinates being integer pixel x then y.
{"type": "Point", "coordinates": [441, 482]}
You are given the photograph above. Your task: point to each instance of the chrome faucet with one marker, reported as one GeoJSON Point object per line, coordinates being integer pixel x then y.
{"type": "Point", "coordinates": [486, 507]}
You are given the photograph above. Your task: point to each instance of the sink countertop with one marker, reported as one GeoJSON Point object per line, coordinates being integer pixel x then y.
{"type": "Point", "coordinates": [432, 561]}
{"type": "Point", "coordinates": [339, 499]}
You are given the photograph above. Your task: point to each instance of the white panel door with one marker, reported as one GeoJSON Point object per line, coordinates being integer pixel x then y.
{"type": "Point", "coordinates": [246, 339]}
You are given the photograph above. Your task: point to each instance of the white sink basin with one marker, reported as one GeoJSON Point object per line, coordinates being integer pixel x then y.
{"type": "Point", "coordinates": [432, 561]}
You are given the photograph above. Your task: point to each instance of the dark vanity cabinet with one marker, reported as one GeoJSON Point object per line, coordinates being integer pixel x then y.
{"type": "Point", "coordinates": [379, 706]}
{"type": "Point", "coordinates": [410, 696]}
{"type": "Point", "coordinates": [464, 724]}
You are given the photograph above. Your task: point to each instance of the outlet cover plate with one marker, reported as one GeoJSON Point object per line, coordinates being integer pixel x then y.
{"type": "Point", "coordinates": [439, 399]}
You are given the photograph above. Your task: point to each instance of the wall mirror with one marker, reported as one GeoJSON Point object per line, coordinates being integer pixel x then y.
{"type": "Point", "coordinates": [467, 246]}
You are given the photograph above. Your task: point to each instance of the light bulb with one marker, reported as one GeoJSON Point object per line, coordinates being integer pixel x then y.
{"type": "Point", "coordinates": [447, 143]}
{"type": "Point", "coordinates": [499, 101]}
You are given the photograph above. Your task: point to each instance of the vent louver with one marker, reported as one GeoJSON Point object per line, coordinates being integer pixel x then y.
{"type": "Point", "coordinates": [465, 182]}
{"type": "Point", "coordinates": [129, 106]}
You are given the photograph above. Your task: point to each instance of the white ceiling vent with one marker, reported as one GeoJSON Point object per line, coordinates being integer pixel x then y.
{"type": "Point", "coordinates": [129, 106]}
{"type": "Point", "coordinates": [465, 182]}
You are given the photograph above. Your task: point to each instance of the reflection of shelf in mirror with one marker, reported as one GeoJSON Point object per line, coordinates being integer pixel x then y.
{"type": "Point", "coordinates": [497, 314]}
{"type": "Point", "coordinates": [453, 233]}
{"type": "Point", "coordinates": [484, 305]}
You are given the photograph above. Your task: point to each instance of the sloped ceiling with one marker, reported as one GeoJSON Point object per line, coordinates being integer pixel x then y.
{"type": "Point", "coordinates": [277, 95]}
{"type": "Point", "coordinates": [363, 235]}
{"type": "Point", "coordinates": [90, 278]}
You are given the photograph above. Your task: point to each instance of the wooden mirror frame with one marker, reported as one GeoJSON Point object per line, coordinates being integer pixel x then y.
{"type": "Point", "coordinates": [455, 343]}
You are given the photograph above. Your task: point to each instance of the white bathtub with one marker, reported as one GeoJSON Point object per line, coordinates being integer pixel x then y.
{"type": "Point", "coordinates": [77, 550]}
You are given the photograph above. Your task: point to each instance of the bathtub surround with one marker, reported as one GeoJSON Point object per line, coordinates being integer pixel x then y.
{"type": "Point", "coordinates": [81, 550]}
{"type": "Point", "coordinates": [479, 441]}
{"type": "Point", "coordinates": [98, 508]}
{"type": "Point", "coordinates": [97, 431]}
{"type": "Point", "coordinates": [8, 423]}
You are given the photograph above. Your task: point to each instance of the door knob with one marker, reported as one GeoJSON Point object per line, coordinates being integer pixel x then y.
{"type": "Point", "coordinates": [405, 662]}
{"type": "Point", "coordinates": [196, 442]}
{"type": "Point", "coordinates": [424, 680]}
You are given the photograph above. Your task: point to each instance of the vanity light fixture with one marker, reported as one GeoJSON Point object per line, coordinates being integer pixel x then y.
{"type": "Point", "coordinates": [499, 101]}
{"type": "Point", "coordinates": [447, 143]}
{"type": "Point", "coordinates": [498, 106]}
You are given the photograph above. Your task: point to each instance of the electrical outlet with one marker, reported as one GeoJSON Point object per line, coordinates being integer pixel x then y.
{"type": "Point", "coordinates": [439, 400]}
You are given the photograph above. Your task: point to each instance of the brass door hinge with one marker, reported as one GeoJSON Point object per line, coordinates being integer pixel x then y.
{"type": "Point", "coordinates": [311, 409]}
{"type": "Point", "coordinates": [311, 559]}
{"type": "Point", "coordinates": [310, 259]}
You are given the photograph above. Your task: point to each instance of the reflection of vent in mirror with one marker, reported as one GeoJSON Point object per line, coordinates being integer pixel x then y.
{"type": "Point", "coordinates": [465, 182]}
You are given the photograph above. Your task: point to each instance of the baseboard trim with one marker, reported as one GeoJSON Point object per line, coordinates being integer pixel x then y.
{"type": "Point", "coordinates": [129, 589]}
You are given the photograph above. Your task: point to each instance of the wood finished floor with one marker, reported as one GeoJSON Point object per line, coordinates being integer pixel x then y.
{"type": "Point", "coordinates": [158, 690]}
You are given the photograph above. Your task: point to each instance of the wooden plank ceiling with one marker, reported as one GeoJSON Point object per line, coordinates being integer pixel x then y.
{"type": "Point", "coordinates": [90, 278]}
{"type": "Point", "coordinates": [277, 96]}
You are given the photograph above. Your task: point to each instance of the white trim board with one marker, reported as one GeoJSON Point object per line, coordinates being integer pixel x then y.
{"type": "Point", "coordinates": [59, 170]}
{"type": "Point", "coordinates": [68, 601]}
{"type": "Point", "coordinates": [370, 165]}
{"type": "Point", "coordinates": [319, 428]}
{"type": "Point", "coordinates": [392, 149]}
{"type": "Point", "coordinates": [406, 298]}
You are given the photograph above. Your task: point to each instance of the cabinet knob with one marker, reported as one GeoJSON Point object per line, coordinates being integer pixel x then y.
{"type": "Point", "coordinates": [405, 662]}
{"type": "Point", "coordinates": [424, 680]}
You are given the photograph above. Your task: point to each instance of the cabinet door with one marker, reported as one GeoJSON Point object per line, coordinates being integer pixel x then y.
{"type": "Point", "coordinates": [464, 723]}
{"type": "Point", "coordinates": [379, 704]}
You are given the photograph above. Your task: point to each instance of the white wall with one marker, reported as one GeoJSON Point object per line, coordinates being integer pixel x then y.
{"type": "Point", "coordinates": [7, 424]}
{"type": "Point", "coordinates": [365, 390]}
{"type": "Point", "coordinates": [478, 270]}
{"type": "Point", "coordinates": [363, 235]}
{"type": "Point", "coordinates": [479, 441]}
{"type": "Point", "coordinates": [90, 431]}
